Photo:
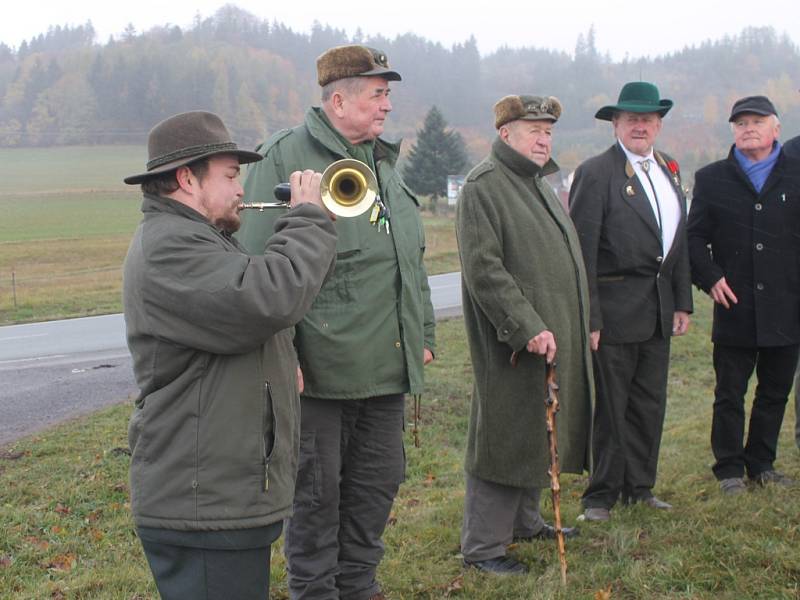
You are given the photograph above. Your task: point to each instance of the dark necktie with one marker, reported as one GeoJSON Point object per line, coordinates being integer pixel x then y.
{"type": "Point", "coordinates": [645, 164]}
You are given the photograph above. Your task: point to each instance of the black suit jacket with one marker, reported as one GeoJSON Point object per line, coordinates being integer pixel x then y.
{"type": "Point", "coordinates": [632, 287]}
{"type": "Point", "coordinates": [753, 240]}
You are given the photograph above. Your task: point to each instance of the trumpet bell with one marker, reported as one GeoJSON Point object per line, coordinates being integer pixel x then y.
{"type": "Point", "coordinates": [348, 187]}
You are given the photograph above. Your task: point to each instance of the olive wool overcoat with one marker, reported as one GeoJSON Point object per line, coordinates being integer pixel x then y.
{"type": "Point", "coordinates": [522, 273]}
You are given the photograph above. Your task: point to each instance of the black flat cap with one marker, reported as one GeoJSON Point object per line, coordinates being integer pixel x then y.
{"type": "Point", "coordinates": [759, 105]}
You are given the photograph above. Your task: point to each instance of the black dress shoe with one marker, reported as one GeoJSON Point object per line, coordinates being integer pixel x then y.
{"type": "Point", "coordinates": [547, 532]}
{"type": "Point", "coordinates": [501, 565]}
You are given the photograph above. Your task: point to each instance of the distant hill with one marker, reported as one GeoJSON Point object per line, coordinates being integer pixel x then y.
{"type": "Point", "coordinates": [64, 88]}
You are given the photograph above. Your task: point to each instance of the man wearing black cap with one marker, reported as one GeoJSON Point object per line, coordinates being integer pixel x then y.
{"type": "Point", "coordinates": [213, 434]}
{"type": "Point", "coordinates": [629, 209]}
{"type": "Point", "coordinates": [745, 253]}
{"type": "Point", "coordinates": [363, 344]}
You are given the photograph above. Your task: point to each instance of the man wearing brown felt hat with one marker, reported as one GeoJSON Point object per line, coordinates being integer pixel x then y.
{"type": "Point", "coordinates": [363, 345]}
{"type": "Point", "coordinates": [213, 432]}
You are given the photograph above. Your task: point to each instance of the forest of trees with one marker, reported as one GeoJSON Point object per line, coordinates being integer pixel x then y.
{"type": "Point", "coordinates": [64, 87]}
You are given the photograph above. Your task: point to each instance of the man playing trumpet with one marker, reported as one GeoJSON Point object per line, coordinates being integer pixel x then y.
{"type": "Point", "coordinates": [213, 432]}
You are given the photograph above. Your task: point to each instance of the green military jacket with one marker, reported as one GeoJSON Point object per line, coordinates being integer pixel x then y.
{"type": "Point", "coordinates": [215, 432]}
{"type": "Point", "coordinates": [522, 273]}
{"type": "Point", "coordinates": [367, 329]}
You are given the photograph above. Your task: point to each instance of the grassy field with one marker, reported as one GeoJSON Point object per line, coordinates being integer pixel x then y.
{"type": "Point", "coordinates": [68, 219]}
{"type": "Point", "coordinates": [67, 531]}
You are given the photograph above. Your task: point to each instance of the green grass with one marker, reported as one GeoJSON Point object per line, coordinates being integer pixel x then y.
{"type": "Point", "coordinates": [68, 215]}
{"type": "Point", "coordinates": [67, 531]}
{"type": "Point", "coordinates": [68, 219]}
{"type": "Point", "coordinates": [79, 168]}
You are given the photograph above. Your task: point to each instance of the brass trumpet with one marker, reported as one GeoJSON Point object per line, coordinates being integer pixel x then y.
{"type": "Point", "coordinates": [348, 189]}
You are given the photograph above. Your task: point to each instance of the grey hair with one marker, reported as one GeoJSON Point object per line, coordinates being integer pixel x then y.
{"type": "Point", "coordinates": [349, 85]}
{"type": "Point", "coordinates": [775, 118]}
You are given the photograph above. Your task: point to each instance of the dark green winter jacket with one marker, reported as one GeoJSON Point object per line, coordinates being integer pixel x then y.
{"type": "Point", "coordinates": [367, 329]}
{"type": "Point", "coordinates": [214, 434]}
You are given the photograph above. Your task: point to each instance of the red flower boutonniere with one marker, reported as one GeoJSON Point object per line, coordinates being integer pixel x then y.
{"type": "Point", "coordinates": [673, 167]}
{"type": "Point", "coordinates": [675, 171]}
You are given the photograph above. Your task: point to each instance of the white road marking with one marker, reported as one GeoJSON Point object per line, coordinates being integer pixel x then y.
{"type": "Point", "coordinates": [23, 337]}
{"type": "Point", "coordinates": [32, 359]}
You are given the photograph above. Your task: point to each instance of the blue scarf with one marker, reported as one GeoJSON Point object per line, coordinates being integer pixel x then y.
{"type": "Point", "coordinates": [757, 172]}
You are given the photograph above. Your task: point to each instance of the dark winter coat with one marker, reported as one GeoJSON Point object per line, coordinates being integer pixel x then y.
{"type": "Point", "coordinates": [215, 433]}
{"type": "Point", "coordinates": [753, 240]}
{"type": "Point", "coordinates": [366, 332]}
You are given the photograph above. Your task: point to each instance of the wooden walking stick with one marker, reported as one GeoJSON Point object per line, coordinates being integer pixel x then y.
{"type": "Point", "coordinates": [551, 408]}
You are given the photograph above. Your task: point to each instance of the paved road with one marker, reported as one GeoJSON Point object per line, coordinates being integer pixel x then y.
{"type": "Point", "coordinates": [56, 370]}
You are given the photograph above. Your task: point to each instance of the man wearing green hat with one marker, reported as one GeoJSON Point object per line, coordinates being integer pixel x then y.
{"type": "Point", "coordinates": [524, 290]}
{"type": "Point", "coordinates": [213, 433]}
{"type": "Point", "coordinates": [629, 208]}
{"type": "Point", "coordinates": [363, 344]}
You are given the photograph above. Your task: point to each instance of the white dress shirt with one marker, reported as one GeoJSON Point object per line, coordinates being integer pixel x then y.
{"type": "Point", "coordinates": [667, 205]}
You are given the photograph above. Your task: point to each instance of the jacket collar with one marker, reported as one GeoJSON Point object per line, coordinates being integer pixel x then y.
{"type": "Point", "coordinates": [772, 178]}
{"type": "Point", "coordinates": [518, 163]}
{"type": "Point", "coordinates": [161, 204]}
{"type": "Point", "coordinates": [321, 130]}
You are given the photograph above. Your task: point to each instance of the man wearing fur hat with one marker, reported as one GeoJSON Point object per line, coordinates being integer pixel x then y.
{"type": "Point", "coordinates": [207, 330]}
{"type": "Point", "coordinates": [630, 212]}
{"type": "Point", "coordinates": [744, 253]}
{"type": "Point", "coordinates": [363, 344]}
{"type": "Point", "coordinates": [524, 290]}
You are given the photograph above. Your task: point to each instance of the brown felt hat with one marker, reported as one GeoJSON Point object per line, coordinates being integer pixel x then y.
{"type": "Point", "coordinates": [353, 61]}
{"type": "Point", "coordinates": [527, 108]}
{"type": "Point", "coordinates": [185, 138]}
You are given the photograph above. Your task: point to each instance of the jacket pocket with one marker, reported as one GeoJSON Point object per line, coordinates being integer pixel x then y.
{"type": "Point", "coordinates": [610, 278]}
{"type": "Point", "coordinates": [268, 433]}
{"type": "Point", "coordinates": [309, 472]}
{"type": "Point", "coordinates": [340, 288]}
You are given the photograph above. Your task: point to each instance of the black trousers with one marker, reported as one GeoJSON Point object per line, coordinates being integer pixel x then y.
{"type": "Point", "coordinates": [734, 366]}
{"type": "Point", "coordinates": [215, 565]}
{"type": "Point", "coordinates": [631, 399]}
{"type": "Point", "coordinates": [351, 466]}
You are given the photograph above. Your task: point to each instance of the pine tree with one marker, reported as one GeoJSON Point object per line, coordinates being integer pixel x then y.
{"type": "Point", "coordinates": [437, 154]}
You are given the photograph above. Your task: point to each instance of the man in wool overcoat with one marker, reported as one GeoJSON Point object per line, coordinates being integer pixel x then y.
{"type": "Point", "coordinates": [524, 290]}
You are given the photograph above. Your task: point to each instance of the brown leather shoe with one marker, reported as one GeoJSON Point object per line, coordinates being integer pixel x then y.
{"type": "Point", "coordinates": [378, 596]}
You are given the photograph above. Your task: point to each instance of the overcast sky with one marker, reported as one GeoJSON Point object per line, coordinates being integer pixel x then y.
{"type": "Point", "coordinates": [646, 28]}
